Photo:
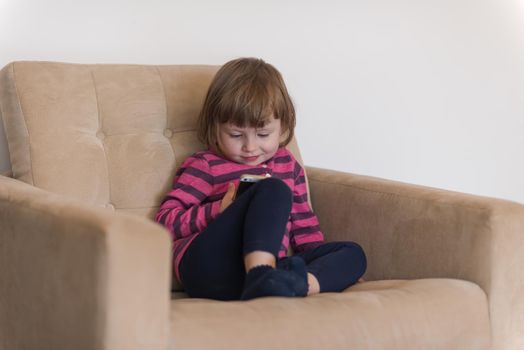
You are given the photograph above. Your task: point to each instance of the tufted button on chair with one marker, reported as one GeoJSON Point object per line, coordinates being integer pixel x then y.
{"type": "Point", "coordinates": [94, 148]}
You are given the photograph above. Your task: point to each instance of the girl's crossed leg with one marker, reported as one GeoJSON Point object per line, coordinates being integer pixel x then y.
{"type": "Point", "coordinates": [335, 265]}
{"type": "Point", "coordinates": [214, 265]}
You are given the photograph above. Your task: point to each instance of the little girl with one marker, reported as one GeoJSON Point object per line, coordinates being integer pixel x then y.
{"type": "Point", "coordinates": [231, 248]}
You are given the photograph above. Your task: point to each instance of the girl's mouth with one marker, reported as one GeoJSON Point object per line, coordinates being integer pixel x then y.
{"type": "Point", "coordinates": [250, 159]}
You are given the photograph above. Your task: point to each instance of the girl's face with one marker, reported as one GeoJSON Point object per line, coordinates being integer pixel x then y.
{"type": "Point", "coordinates": [250, 146]}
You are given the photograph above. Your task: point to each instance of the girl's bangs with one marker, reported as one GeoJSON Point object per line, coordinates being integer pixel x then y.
{"type": "Point", "coordinates": [250, 110]}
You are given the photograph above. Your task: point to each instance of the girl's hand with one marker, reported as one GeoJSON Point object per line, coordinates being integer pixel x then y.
{"type": "Point", "coordinates": [228, 197]}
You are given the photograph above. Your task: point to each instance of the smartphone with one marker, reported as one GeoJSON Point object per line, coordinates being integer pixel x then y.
{"type": "Point", "coordinates": [247, 181]}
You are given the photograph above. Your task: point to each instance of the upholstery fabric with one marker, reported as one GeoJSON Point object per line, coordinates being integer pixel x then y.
{"type": "Point", "coordinates": [411, 232]}
{"type": "Point", "coordinates": [93, 150]}
{"type": "Point", "coordinates": [421, 314]}
{"type": "Point", "coordinates": [74, 276]}
{"type": "Point", "coordinates": [109, 135]}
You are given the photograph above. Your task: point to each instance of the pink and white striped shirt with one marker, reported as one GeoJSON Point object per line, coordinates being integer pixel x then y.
{"type": "Point", "coordinates": [202, 181]}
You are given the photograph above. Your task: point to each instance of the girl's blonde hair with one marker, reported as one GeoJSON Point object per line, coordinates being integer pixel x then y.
{"type": "Point", "coordinates": [245, 92]}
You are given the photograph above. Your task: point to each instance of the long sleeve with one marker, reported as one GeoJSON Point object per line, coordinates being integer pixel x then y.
{"type": "Point", "coordinates": [305, 231]}
{"type": "Point", "coordinates": [183, 212]}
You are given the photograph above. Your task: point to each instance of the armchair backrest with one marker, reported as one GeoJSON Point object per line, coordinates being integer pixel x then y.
{"type": "Point", "coordinates": [111, 135]}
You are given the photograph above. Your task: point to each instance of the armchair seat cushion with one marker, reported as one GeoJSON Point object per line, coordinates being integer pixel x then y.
{"type": "Point", "coordinates": [394, 314]}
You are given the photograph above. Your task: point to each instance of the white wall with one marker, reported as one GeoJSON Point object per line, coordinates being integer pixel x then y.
{"type": "Point", "coordinates": [428, 92]}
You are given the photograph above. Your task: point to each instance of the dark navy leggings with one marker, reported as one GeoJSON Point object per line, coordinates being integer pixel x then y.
{"type": "Point", "coordinates": [213, 265]}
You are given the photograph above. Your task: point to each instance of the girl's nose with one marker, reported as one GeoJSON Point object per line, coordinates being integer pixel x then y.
{"type": "Point", "coordinates": [249, 145]}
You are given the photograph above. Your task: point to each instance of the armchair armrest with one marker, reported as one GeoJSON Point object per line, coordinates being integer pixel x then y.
{"type": "Point", "coordinates": [412, 231]}
{"type": "Point", "coordinates": [74, 276]}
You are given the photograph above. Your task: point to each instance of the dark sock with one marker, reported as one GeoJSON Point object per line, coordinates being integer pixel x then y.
{"type": "Point", "coordinates": [292, 263]}
{"type": "Point", "coordinates": [256, 273]}
{"type": "Point", "coordinates": [296, 265]}
{"type": "Point", "coordinates": [264, 280]}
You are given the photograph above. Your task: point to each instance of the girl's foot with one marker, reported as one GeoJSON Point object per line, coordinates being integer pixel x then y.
{"type": "Point", "coordinates": [264, 280]}
{"type": "Point", "coordinates": [297, 266]}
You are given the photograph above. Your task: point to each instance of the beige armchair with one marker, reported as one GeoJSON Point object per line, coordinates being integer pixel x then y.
{"type": "Point", "coordinates": [82, 265]}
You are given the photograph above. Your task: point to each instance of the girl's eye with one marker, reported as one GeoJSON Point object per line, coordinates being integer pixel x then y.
{"type": "Point", "coordinates": [263, 135]}
{"type": "Point", "coordinates": [235, 136]}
